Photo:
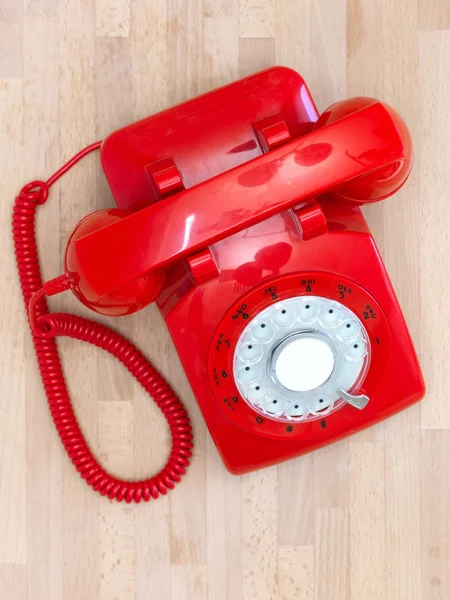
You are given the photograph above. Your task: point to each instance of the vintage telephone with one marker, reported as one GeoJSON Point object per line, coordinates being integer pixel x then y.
{"type": "Point", "coordinates": [238, 214]}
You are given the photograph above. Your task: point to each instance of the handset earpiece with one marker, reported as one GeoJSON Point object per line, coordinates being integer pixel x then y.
{"type": "Point", "coordinates": [123, 300]}
{"type": "Point", "coordinates": [381, 182]}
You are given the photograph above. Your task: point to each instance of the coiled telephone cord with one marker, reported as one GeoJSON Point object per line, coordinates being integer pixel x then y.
{"type": "Point", "coordinates": [45, 326]}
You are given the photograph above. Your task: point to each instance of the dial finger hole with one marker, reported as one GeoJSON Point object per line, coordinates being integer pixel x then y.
{"type": "Point", "coordinates": [296, 409]}
{"type": "Point", "coordinates": [283, 317]}
{"type": "Point", "coordinates": [263, 332]}
{"type": "Point", "coordinates": [257, 393]}
{"type": "Point", "coordinates": [248, 374]}
{"type": "Point", "coordinates": [321, 404]}
{"type": "Point", "coordinates": [330, 316]}
{"type": "Point", "coordinates": [275, 405]}
{"type": "Point", "coordinates": [348, 329]}
{"type": "Point", "coordinates": [309, 311]}
{"type": "Point", "coordinates": [250, 350]}
{"type": "Point", "coordinates": [356, 349]}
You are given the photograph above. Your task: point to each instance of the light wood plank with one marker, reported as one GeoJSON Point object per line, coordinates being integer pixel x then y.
{"type": "Point", "coordinates": [81, 523]}
{"type": "Point", "coordinates": [434, 14]}
{"type": "Point", "coordinates": [40, 8]}
{"type": "Point", "coordinates": [221, 43]}
{"type": "Point", "coordinates": [13, 442]}
{"type": "Point", "coordinates": [260, 535]}
{"type": "Point", "coordinates": [292, 39]}
{"type": "Point", "coordinates": [185, 49]}
{"type": "Point", "coordinates": [116, 521]}
{"type": "Point", "coordinates": [149, 65]}
{"type": "Point", "coordinates": [224, 530]}
{"type": "Point", "coordinates": [220, 9]}
{"type": "Point", "coordinates": [255, 55]}
{"type": "Point", "coordinates": [117, 552]}
{"type": "Point", "coordinates": [434, 152]}
{"type": "Point", "coordinates": [434, 528]}
{"type": "Point", "coordinates": [188, 519]}
{"type": "Point", "coordinates": [112, 18]}
{"type": "Point", "coordinates": [367, 517]}
{"type": "Point", "coordinates": [11, 38]}
{"type": "Point", "coordinates": [188, 582]}
{"type": "Point", "coordinates": [13, 582]}
{"type": "Point", "coordinates": [296, 572]}
{"type": "Point", "coordinates": [331, 476]}
{"type": "Point", "coordinates": [403, 506]}
{"type": "Point", "coordinates": [328, 80]}
{"type": "Point", "coordinates": [10, 11]}
{"type": "Point", "coordinates": [45, 453]}
{"type": "Point", "coordinates": [77, 107]}
{"type": "Point", "coordinates": [151, 443]}
{"type": "Point", "coordinates": [296, 484]}
{"type": "Point", "coordinates": [152, 545]}
{"type": "Point", "coordinates": [113, 69]}
{"type": "Point", "coordinates": [256, 19]}
{"type": "Point", "coordinates": [332, 554]}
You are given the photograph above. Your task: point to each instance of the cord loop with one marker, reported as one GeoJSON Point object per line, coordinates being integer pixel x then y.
{"type": "Point", "coordinates": [45, 326]}
{"type": "Point", "coordinates": [35, 191]}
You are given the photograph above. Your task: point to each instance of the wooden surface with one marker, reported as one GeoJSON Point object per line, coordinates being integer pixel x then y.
{"type": "Point", "coordinates": [367, 518]}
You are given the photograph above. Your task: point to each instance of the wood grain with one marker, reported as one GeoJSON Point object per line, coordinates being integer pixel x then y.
{"type": "Point", "coordinates": [367, 518]}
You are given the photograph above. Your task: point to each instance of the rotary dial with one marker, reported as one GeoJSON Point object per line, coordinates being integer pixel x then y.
{"type": "Point", "coordinates": [295, 357]}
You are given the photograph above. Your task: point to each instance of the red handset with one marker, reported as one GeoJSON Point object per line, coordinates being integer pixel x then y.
{"type": "Point", "coordinates": [113, 255]}
{"type": "Point", "coordinates": [238, 213]}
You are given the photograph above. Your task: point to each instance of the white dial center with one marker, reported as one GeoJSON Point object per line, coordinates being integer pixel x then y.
{"type": "Point", "coordinates": [304, 364]}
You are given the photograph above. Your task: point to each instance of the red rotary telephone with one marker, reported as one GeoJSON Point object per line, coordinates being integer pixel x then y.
{"type": "Point", "coordinates": [238, 214]}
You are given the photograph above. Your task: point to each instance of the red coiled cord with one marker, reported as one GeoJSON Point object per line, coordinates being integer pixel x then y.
{"type": "Point", "coordinates": [45, 326]}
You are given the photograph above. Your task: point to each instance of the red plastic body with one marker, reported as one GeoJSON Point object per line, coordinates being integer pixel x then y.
{"type": "Point", "coordinates": [231, 194]}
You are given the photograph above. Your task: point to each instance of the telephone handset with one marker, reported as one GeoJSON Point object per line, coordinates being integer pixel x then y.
{"type": "Point", "coordinates": [363, 156]}
{"type": "Point", "coordinates": [238, 212]}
